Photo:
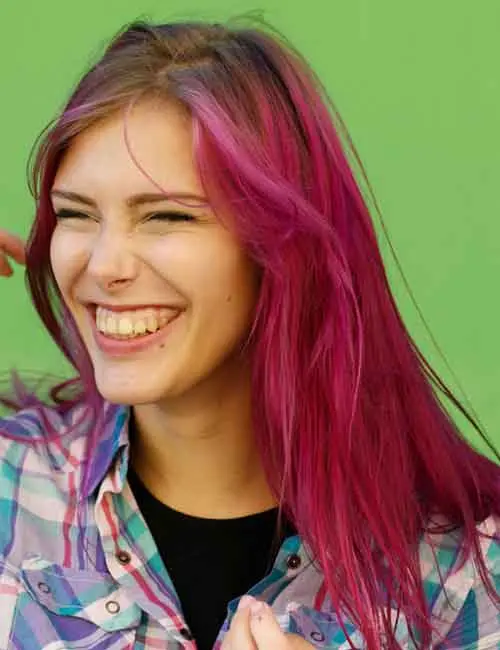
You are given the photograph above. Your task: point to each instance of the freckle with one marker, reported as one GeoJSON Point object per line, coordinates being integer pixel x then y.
{"type": "Point", "coordinates": [229, 298]}
{"type": "Point", "coordinates": [162, 345]}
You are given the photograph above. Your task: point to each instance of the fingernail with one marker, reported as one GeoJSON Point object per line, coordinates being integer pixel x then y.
{"type": "Point", "coordinates": [245, 601]}
{"type": "Point", "coordinates": [257, 608]}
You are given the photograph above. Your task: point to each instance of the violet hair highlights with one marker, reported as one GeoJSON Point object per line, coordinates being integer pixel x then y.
{"type": "Point", "coordinates": [358, 449]}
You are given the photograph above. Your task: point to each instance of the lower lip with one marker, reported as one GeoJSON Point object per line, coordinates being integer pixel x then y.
{"type": "Point", "coordinates": [123, 347]}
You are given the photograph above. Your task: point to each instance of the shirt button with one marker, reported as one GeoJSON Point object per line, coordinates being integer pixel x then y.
{"type": "Point", "coordinates": [123, 557]}
{"type": "Point", "coordinates": [112, 607]}
{"type": "Point", "coordinates": [44, 587]}
{"type": "Point", "coordinates": [293, 561]}
{"type": "Point", "coordinates": [186, 634]}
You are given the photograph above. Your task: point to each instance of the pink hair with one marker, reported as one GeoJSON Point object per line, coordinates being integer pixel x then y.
{"type": "Point", "coordinates": [358, 448]}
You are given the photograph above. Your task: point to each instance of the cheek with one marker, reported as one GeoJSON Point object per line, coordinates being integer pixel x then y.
{"type": "Point", "coordinates": [211, 272]}
{"type": "Point", "coordinates": [228, 290]}
{"type": "Point", "coordinates": [67, 257]}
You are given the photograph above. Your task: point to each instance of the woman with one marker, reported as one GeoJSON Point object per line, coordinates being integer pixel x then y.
{"type": "Point", "coordinates": [252, 453]}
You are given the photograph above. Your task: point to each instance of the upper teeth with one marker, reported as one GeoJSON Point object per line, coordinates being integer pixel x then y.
{"type": "Point", "coordinates": [130, 323]}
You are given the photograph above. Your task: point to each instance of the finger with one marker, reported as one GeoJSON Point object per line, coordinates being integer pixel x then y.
{"type": "Point", "coordinates": [13, 246]}
{"type": "Point", "coordinates": [299, 643]}
{"type": "Point", "coordinates": [5, 267]}
{"type": "Point", "coordinates": [266, 630]}
{"type": "Point", "coordinates": [239, 636]}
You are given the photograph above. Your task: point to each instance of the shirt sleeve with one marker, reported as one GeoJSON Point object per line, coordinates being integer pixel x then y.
{"type": "Point", "coordinates": [476, 624]}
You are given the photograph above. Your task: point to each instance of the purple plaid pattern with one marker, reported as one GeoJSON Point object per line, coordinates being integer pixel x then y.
{"type": "Point", "coordinates": [80, 569]}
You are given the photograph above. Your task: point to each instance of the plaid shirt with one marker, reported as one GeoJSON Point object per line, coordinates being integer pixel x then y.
{"type": "Point", "coordinates": [81, 570]}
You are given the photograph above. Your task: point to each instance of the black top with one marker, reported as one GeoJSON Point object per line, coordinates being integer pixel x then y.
{"type": "Point", "coordinates": [210, 561]}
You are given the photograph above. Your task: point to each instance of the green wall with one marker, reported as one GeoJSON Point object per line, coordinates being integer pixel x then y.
{"type": "Point", "coordinates": [418, 86]}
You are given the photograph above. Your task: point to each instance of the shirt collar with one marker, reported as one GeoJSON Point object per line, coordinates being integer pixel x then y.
{"type": "Point", "coordinates": [113, 441]}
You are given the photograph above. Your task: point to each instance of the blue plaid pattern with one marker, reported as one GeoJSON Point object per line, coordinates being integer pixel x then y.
{"type": "Point", "coordinates": [64, 584]}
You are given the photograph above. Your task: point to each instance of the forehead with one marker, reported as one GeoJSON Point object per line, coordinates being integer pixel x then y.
{"type": "Point", "coordinates": [159, 137]}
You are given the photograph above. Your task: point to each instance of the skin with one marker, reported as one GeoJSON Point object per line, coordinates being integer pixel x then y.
{"type": "Point", "coordinates": [190, 392]}
{"type": "Point", "coordinates": [11, 248]}
{"type": "Point", "coordinates": [254, 627]}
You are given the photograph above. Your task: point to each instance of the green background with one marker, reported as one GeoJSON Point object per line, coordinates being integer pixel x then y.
{"type": "Point", "coordinates": [418, 86]}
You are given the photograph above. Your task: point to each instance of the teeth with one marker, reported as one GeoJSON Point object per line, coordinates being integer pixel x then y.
{"type": "Point", "coordinates": [151, 323]}
{"type": "Point", "coordinates": [109, 324]}
{"type": "Point", "coordinates": [140, 327]}
{"type": "Point", "coordinates": [127, 324]}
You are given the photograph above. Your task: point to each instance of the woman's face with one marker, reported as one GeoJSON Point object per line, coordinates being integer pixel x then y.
{"type": "Point", "coordinates": [162, 301]}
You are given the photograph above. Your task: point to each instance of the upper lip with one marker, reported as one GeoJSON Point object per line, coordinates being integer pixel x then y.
{"type": "Point", "coordinates": [123, 307]}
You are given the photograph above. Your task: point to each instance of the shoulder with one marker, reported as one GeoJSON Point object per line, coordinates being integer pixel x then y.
{"type": "Point", "coordinates": [44, 439]}
{"type": "Point", "coordinates": [462, 606]}
{"type": "Point", "coordinates": [42, 460]}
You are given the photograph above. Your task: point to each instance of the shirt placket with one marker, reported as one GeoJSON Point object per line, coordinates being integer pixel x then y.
{"type": "Point", "coordinates": [292, 560]}
{"type": "Point", "coordinates": [133, 559]}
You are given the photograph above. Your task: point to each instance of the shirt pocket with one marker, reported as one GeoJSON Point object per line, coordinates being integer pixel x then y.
{"type": "Point", "coordinates": [68, 608]}
{"type": "Point", "coordinates": [322, 629]}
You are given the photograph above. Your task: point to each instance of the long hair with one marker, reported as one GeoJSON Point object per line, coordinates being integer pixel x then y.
{"type": "Point", "coordinates": [359, 450]}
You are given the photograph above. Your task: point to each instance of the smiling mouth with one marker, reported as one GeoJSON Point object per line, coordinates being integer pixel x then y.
{"type": "Point", "coordinates": [133, 323]}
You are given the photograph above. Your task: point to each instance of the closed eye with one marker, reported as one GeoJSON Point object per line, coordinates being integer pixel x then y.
{"type": "Point", "coordinates": [70, 214]}
{"type": "Point", "coordinates": [170, 216]}
{"type": "Point", "coordinates": [157, 216]}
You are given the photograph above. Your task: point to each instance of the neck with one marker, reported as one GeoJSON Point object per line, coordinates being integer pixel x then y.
{"type": "Point", "coordinates": [197, 454]}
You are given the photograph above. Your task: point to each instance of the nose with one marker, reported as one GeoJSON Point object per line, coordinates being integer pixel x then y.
{"type": "Point", "coordinates": [112, 263]}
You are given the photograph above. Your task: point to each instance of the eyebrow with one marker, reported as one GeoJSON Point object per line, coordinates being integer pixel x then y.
{"type": "Point", "coordinates": [134, 200]}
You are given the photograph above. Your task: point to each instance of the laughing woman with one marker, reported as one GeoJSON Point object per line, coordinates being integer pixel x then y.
{"type": "Point", "coordinates": [252, 454]}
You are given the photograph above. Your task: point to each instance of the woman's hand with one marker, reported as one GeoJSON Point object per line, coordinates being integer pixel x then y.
{"type": "Point", "coordinates": [11, 246]}
{"type": "Point", "coordinates": [254, 627]}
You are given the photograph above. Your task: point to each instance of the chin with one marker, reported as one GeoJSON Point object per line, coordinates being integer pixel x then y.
{"type": "Point", "coordinates": [130, 393]}
{"type": "Point", "coordinates": [132, 384]}
{"type": "Point", "coordinates": [126, 397]}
